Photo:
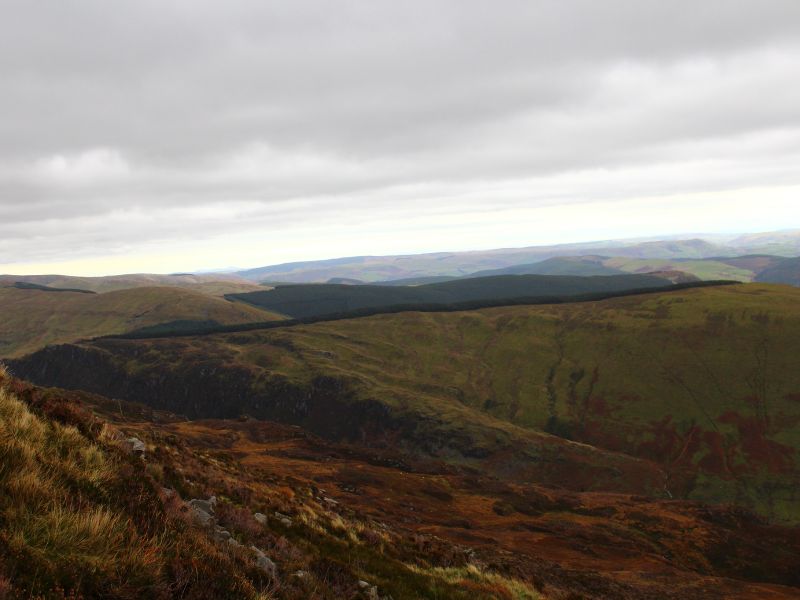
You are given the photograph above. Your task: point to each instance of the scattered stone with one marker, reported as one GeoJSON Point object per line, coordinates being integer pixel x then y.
{"type": "Point", "coordinates": [301, 575]}
{"type": "Point", "coordinates": [204, 510]}
{"type": "Point", "coordinates": [330, 501]}
{"type": "Point", "coordinates": [204, 505]}
{"type": "Point", "coordinates": [202, 517]}
{"type": "Point", "coordinates": [284, 520]}
{"type": "Point", "coordinates": [221, 535]}
{"type": "Point", "coordinates": [136, 446]}
{"type": "Point", "coordinates": [233, 542]}
{"type": "Point", "coordinates": [363, 584]}
{"type": "Point", "coordinates": [261, 518]}
{"type": "Point", "coordinates": [265, 563]}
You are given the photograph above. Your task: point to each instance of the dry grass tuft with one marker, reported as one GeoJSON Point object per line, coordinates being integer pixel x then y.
{"type": "Point", "coordinates": [474, 578]}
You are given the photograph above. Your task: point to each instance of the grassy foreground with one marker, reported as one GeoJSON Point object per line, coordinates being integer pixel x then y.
{"type": "Point", "coordinates": [81, 517]}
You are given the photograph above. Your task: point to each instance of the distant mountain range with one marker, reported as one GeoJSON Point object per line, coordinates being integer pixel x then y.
{"type": "Point", "coordinates": [592, 258]}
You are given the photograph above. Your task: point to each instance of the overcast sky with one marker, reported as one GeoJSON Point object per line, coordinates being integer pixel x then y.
{"type": "Point", "coordinates": [162, 135]}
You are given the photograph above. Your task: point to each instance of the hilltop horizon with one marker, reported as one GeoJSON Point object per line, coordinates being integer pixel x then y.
{"type": "Point", "coordinates": [721, 238]}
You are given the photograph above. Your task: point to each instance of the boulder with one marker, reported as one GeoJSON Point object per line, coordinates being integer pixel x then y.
{"type": "Point", "coordinates": [265, 563]}
{"type": "Point", "coordinates": [221, 535]}
{"type": "Point", "coordinates": [136, 446]}
{"type": "Point", "coordinates": [283, 519]}
{"type": "Point", "coordinates": [202, 517]}
{"type": "Point", "coordinates": [204, 505]}
{"type": "Point", "coordinates": [261, 518]}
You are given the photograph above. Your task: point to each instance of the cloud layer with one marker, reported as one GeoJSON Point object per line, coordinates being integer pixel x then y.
{"type": "Point", "coordinates": [203, 134]}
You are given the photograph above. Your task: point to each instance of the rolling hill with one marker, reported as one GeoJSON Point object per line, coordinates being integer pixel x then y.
{"type": "Point", "coordinates": [785, 271]}
{"type": "Point", "coordinates": [776, 269]}
{"type": "Point", "coordinates": [301, 301]}
{"type": "Point", "coordinates": [213, 285]}
{"type": "Point", "coordinates": [718, 257]}
{"type": "Point", "coordinates": [582, 266]}
{"type": "Point", "coordinates": [456, 264]}
{"type": "Point", "coordinates": [687, 394]}
{"type": "Point", "coordinates": [32, 318]}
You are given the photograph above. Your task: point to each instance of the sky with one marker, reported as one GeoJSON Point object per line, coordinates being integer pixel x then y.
{"type": "Point", "coordinates": [179, 135]}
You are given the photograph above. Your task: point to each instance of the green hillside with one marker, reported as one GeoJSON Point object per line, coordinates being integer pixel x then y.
{"type": "Point", "coordinates": [33, 318]}
{"type": "Point", "coordinates": [301, 301]}
{"type": "Point", "coordinates": [702, 383]}
{"type": "Point", "coordinates": [703, 269]}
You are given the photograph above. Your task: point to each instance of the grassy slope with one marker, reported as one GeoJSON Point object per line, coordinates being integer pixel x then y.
{"type": "Point", "coordinates": [82, 518]}
{"type": "Point", "coordinates": [787, 271]}
{"type": "Point", "coordinates": [34, 318]}
{"type": "Point", "coordinates": [704, 269]}
{"type": "Point", "coordinates": [703, 382]}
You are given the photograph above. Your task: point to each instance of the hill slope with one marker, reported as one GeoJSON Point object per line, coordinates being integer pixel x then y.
{"type": "Point", "coordinates": [583, 266]}
{"type": "Point", "coordinates": [688, 394]}
{"type": "Point", "coordinates": [33, 318]}
{"type": "Point", "coordinates": [82, 516]}
{"type": "Point", "coordinates": [301, 301]}
{"type": "Point", "coordinates": [213, 285]}
{"type": "Point", "coordinates": [786, 271]}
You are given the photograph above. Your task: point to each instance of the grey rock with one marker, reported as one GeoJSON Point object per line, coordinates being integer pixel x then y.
{"type": "Point", "coordinates": [221, 535]}
{"type": "Point", "coordinates": [265, 563]}
{"type": "Point", "coordinates": [136, 445]}
{"type": "Point", "coordinates": [204, 505]}
{"type": "Point", "coordinates": [284, 520]}
{"type": "Point", "coordinates": [362, 584]}
{"type": "Point", "coordinates": [202, 517]}
{"type": "Point", "coordinates": [233, 542]}
{"type": "Point", "coordinates": [261, 518]}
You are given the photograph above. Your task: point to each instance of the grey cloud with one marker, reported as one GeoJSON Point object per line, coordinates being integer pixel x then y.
{"type": "Point", "coordinates": [341, 103]}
